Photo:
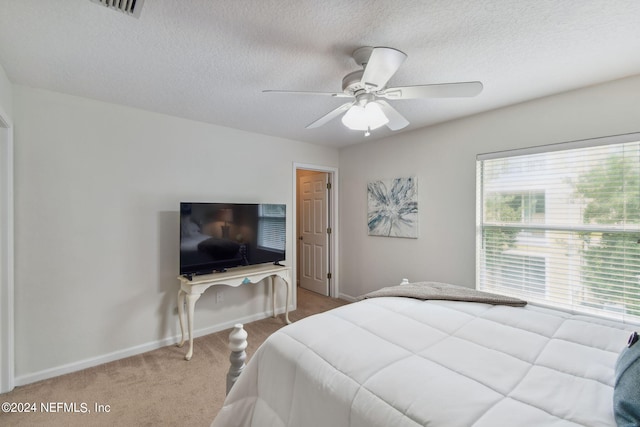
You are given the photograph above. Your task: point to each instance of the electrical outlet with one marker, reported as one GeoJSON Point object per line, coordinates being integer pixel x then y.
{"type": "Point", "coordinates": [219, 297]}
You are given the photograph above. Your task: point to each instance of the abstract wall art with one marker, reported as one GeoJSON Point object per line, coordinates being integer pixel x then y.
{"type": "Point", "coordinates": [392, 207]}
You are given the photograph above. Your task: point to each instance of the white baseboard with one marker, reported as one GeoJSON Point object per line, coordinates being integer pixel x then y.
{"type": "Point", "coordinates": [132, 351]}
{"type": "Point", "coordinates": [348, 298]}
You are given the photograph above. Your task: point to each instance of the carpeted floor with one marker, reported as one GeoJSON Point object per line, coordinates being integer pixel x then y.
{"type": "Point", "coordinates": [158, 388]}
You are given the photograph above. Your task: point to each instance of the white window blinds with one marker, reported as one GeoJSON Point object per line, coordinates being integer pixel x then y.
{"type": "Point", "coordinates": [271, 227]}
{"type": "Point", "coordinates": [560, 225]}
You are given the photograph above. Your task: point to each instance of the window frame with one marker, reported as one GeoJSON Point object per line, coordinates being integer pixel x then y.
{"type": "Point", "coordinates": [534, 229]}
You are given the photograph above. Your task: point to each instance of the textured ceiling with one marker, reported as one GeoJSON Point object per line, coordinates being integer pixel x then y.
{"type": "Point", "coordinates": [210, 60]}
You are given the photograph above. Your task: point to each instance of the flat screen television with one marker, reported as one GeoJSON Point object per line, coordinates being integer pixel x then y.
{"type": "Point", "coordinates": [217, 236]}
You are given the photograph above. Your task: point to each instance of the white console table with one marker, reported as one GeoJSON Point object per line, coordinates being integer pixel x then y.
{"type": "Point", "coordinates": [192, 289]}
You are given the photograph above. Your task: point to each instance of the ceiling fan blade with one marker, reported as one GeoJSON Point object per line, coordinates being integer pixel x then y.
{"type": "Point", "coordinates": [382, 64]}
{"type": "Point", "coordinates": [396, 120]}
{"type": "Point", "coordinates": [298, 92]}
{"type": "Point", "coordinates": [330, 115]}
{"type": "Point", "coordinates": [444, 90]}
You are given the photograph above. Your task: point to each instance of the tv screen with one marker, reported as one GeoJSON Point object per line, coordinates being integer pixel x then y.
{"type": "Point", "coordinates": [217, 236]}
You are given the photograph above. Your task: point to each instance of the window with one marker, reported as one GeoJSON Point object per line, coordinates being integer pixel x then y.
{"type": "Point", "coordinates": [560, 225]}
{"type": "Point", "coordinates": [271, 227]}
{"type": "Point", "coordinates": [524, 273]}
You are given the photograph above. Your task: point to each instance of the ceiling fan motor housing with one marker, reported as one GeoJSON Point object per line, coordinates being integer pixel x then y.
{"type": "Point", "coordinates": [352, 83]}
{"type": "Point", "coordinates": [362, 55]}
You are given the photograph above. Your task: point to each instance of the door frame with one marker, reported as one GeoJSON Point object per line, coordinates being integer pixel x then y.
{"type": "Point", "coordinates": [7, 300]}
{"type": "Point", "coordinates": [332, 206]}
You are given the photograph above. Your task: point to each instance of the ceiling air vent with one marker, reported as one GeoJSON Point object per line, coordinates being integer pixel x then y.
{"type": "Point", "coordinates": [128, 7]}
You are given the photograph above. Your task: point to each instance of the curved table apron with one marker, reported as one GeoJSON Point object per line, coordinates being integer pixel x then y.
{"type": "Point", "coordinates": [192, 289]}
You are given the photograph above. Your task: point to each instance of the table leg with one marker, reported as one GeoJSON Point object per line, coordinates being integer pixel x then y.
{"type": "Point", "coordinates": [273, 294]}
{"type": "Point", "coordinates": [181, 294]}
{"type": "Point", "coordinates": [191, 303]}
{"type": "Point", "coordinates": [288, 300]}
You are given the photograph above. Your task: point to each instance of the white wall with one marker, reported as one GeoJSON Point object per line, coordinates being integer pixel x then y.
{"type": "Point", "coordinates": [98, 188]}
{"type": "Point", "coordinates": [6, 233]}
{"type": "Point", "coordinates": [6, 97]}
{"type": "Point", "coordinates": [443, 159]}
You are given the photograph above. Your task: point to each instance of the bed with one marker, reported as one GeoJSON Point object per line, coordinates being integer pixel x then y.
{"type": "Point", "coordinates": [398, 361]}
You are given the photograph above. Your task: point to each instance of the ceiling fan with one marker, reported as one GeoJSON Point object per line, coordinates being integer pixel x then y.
{"type": "Point", "coordinates": [368, 86]}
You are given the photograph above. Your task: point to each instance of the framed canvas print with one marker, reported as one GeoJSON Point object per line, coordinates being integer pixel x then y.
{"type": "Point", "coordinates": [392, 207]}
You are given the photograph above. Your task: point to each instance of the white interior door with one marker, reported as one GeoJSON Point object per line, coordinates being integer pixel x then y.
{"type": "Point", "coordinates": [313, 232]}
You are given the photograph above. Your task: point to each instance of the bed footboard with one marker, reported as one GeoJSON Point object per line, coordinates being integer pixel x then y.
{"type": "Point", "coordinates": [237, 345]}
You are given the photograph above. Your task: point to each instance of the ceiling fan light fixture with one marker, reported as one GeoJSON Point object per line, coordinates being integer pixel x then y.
{"type": "Point", "coordinates": [365, 118]}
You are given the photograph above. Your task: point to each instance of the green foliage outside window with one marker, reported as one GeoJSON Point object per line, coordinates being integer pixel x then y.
{"type": "Point", "coordinates": [611, 267]}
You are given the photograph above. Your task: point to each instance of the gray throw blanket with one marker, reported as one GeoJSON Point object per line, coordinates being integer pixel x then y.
{"type": "Point", "coordinates": [444, 291]}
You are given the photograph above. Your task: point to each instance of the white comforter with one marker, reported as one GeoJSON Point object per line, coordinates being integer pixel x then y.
{"type": "Point", "coordinates": [404, 362]}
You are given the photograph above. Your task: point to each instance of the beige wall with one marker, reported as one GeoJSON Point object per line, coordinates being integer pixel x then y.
{"type": "Point", "coordinates": [443, 159]}
{"type": "Point", "coordinates": [98, 188]}
{"type": "Point", "coordinates": [6, 96]}
{"type": "Point", "coordinates": [6, 233]}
